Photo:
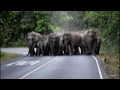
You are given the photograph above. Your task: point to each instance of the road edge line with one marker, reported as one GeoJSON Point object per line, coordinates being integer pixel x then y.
{"type": "Point", "coordinates": [37, 68]}
{"type": "Point", "coordinates": [99, 70]}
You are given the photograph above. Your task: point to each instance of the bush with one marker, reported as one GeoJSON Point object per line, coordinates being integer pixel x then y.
{"type": "Point", "coordinates": [19, 43]}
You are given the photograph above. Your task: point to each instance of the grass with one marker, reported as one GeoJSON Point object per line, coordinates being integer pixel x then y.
{"type": "Point", "coordinates": [112, 64]}
{"type": "Point", "coordinates": [7, 56]}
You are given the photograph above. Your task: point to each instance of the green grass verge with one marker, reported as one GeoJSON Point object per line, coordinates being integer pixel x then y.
{"type": "Point", "coordinates": [7, 56]}
{"type": "Point", "coordinates": [112, 64]}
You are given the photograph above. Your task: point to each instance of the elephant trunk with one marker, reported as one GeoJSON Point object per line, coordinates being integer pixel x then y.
{"type": "Point", "coordinates": [30, 47]}
{"type": "Point", "coordinates": [66, 48]}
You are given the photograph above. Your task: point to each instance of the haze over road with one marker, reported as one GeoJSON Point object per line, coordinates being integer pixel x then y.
{"type": "Point", "coordinates": [51, 67]}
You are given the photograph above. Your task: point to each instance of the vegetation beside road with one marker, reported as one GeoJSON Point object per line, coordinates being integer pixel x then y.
{"type": "Point", "coordinates": [4, 56]}
{"type": "Point", "coordinates": [112, 64]}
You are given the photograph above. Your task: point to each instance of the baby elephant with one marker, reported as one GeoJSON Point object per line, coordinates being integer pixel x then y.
{"type": "Point", "coordinates": [40, 48]}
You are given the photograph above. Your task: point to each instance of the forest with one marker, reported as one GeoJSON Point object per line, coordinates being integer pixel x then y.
{"type": "Point", "coordinates": [14, 25]}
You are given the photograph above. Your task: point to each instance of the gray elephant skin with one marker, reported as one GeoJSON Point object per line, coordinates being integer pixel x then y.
{"type": "Point", "coordinates": [32, 39]}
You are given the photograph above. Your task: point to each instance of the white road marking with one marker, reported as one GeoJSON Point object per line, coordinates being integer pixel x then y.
{"type": "Point", "coordinates": [37, 68]}
{"type": "Point", "coordinates": [100, 74]}
{"type": "Point", "coordinates": [10, 64]}
{"type": "Point", "coordinates": [20, 63]}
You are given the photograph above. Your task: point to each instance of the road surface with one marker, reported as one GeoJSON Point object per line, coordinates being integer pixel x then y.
{"type": "Point", "coordinates": [51, 67]}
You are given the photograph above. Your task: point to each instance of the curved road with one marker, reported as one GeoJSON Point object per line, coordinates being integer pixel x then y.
{"type": "Point", "coordinates": [51, 67]}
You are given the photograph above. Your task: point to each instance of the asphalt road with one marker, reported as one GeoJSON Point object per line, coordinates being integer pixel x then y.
{"type": "Point", "coordinates": [51, 67]}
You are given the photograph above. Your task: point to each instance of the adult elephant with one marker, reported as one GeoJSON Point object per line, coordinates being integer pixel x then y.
{"type": "Point", "coordinates": [60, 43]}
{"type": "Point", "coordinates": [53, 43]}
{"type": "Point", "coordinates": [72, 41]}
{"type": "Point", "coordinates": [90, 39]}
{"type": "Point", "coordinates": [32, 39]}
{"type": "Point", "coordinates": [46, 47]}
{"type": "Point", "coordinates": [40, 47]}
{"type": "Point", "coordinates": [97, 44]}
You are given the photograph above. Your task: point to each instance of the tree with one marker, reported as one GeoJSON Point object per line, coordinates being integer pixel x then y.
{"type": "Point", "coordinates": [107, 22]}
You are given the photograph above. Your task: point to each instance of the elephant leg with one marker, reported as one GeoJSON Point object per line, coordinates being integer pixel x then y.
{"type": "Point", "coordinates": [90, 48]}
{"type": "Point", "coordinates": [42, 51]}
{"type": "Point", "coordinates": [66, 47]}
{"type": "Point", "coordinates": [28, 51]}
{"type": "Point", "coordinates": [38, 51]}
{"type": "Point", "coordinates": [61, 51]}
{"type": "Point", "coordinates": [83, 47]}
{"type": "Point", "coordinates": [76, 52]}
{"type": "Point", "coordinates": [94, 49]}
{"type": "Point", "coordinates": [86, 50]}
{"type": "Point", "coordinates": [82, 50]}
{"type": "Point", "coordinates": [56, 52]}
{"type": "Point", "coordinates": [70, 49]}
{"type": "Point", "coordinates": [51, 50]}
{"type": "Point", "coordinates": [46, 50]}
{"type": "Point", "coordinates": [97, 50]}
{"type": "Point", "coordinates": [33, 51]}
{"type": "Point", "coordinates": [65, 51]}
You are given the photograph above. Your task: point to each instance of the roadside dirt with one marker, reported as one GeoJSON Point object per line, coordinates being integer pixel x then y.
{"type": "Point", "coordinates": [111, 65]}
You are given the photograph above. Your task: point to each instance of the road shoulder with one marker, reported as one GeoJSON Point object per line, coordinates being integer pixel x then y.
{"type": "Point", "coordinates": [102, 67]}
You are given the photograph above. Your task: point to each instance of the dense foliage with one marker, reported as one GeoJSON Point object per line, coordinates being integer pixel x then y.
{"type": "Point", "coordinates": [15, 24]}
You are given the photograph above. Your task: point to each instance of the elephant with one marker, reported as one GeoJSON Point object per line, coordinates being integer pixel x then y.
{"type": "Point", "coordinates": [85, 40]}
{"type": "Point", "coordinates": [90, 41]}
{"type": "Point", "coordinates": [72, 42]}
{"type": "Point", "coordinates": [67, 42]}
{"type": "Point", "coordinates": [53, 43]}
{"type": "Point", "coordinates": [46, 46]}
{"type": "Point", "coordinates": [32, 39]}
{"type": "Point", "coordinates": [97, 44]}
{"type": "Point", "coordinates": [40, 45]}
{"type": "Point", "coordinates": [60, 43]}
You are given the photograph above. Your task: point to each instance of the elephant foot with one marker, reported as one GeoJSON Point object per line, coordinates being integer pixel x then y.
{"type": "Point", "coordinates": [94, 54]}
{"type": "Point", "coordinates": [88, 53]}
{"type": "Point", "coordinates": [52, 55]}
{"type": "Point", "coordinates": [31, 55]}
{"type": "Point", "coordinates": [97, 53]}
{"type": "Point", "coordinates": [70, 53]}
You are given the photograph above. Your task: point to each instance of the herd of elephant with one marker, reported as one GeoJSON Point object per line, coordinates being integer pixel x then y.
{"type": "Point", "coordinates": [85, 42]}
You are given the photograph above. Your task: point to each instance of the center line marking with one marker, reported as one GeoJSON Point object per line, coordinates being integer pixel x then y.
{"type": "Point", "coordinates": [37, 68]}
